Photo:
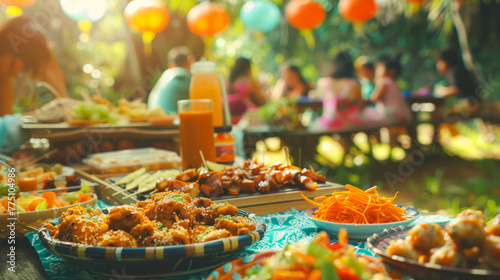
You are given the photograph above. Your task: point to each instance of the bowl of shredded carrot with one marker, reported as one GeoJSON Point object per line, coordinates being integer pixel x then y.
{"type": "Point", "coordinates": [361, 213]}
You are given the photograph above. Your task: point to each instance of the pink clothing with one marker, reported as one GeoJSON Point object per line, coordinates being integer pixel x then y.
{"type": "Point", "coordinates": [394, 102]}
{"type": "Point", "coordinates": [338, 109]}
{"type": "Point", "coordinates": [237, 99]}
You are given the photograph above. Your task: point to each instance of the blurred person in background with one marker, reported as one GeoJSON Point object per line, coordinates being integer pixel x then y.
{"type": "Point", "coordinates": [25, 55]}
{"type": "Point", "coordinates": [244, 91]}
{"type": "Point", "coordinates": [173, 84]}
{"type": "Point", "coordinates": [292, 85]}
{"type": "Point", "coordinates": [461, 82]}
{"type": "Point", "coordinates": [341, 95]}
{"type": "Point", "coordinates": [388, 97]}
{"type": "Point", "coordinates": [365, 70]}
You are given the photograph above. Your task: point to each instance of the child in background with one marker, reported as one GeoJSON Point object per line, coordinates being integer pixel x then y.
{"type": "Point", "coordinates": [365, 70]}
{"type": "Point", "coordinates": [390, 104]}
{"type": "Point", "coordinates": [341, 96]}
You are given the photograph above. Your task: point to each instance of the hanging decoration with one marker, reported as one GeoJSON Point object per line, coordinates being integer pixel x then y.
{"type": "Point", "coordinates": [358, 11]}
{"type": "Point", "coordinates": [85, 13]}
{"type": "Point", "coordinates": [15, 7]}
{"type": "Point", "coordinates": [207, 20]}
{"type": "Point", "coordinates": [305, 15]}
{"type": "Point", "coordinates": [260, 15]}
{"type": "Point", "coordinates": [147, 17]}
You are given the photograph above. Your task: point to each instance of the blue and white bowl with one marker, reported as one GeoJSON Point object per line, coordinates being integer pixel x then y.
{"type": "Point", "coordinates": [362, 231]}
{"type": "Point", "coordinates": [150, 262]}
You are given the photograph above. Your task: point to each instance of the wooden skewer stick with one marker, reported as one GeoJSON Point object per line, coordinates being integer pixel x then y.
{"type": "Point", "coordinates": [130, 195]}
{"type": "Point", "coordinates": [203, 159]}
{"type": "Point", "coordinates": [46, 155]}
{"type": "Point", "coordinates": [311, 167]}
{"type": "Point", "coordinates": [179, 167]}
{"type": "Point", "coordinates": [121, 191]}
{"type": "Point", "coordinates": [287, 156]}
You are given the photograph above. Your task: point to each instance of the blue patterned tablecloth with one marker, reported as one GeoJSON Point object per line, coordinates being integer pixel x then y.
{"type": "Point", "coordinates": [283, 228]}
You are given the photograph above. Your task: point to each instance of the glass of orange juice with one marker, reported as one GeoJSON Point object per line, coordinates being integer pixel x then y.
{"type": "Point", "coordinates": [196, 131]}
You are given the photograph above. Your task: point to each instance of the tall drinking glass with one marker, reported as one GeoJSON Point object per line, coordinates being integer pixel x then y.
{"type": "Point", "coordinates": [196, 132]}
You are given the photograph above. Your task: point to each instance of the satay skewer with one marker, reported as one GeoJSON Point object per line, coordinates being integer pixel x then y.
{"type": "Point", "coordinates": [203, 159]}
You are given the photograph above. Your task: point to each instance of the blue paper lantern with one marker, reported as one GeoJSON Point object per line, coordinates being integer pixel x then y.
{"type": "Point", "coordinates": [260, 15]}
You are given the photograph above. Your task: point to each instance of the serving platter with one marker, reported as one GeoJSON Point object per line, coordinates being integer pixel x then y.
{"type": "Point", "coordinates": [400, 267]}
{"type": "Point", "coordinates": [160, 261]}
{"type": "Point", "coordinates": [362, 231]}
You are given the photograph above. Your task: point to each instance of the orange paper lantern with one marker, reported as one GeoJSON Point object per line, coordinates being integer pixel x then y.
{"type": "Point", "coordinates": [18, 3]}
{"type": "Point", "coordinates": [358, 11]}
{"type": "Point", "coordinates": [208, 19]}
{"type": "Point", "coordinates": [305, 14]}
{"type": "Point", "coordinates": [147, 15]}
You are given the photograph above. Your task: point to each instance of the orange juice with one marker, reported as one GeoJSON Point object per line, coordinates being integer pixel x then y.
{"type": "Point", "coordinates": [196, 134]}
{"type": "Point", "coordinates": [205, 84]}
{"type": "Point", "coordinates": [27, 184]}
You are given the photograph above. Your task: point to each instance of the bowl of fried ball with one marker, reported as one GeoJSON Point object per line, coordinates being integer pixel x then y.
{"type": "Point", "coordinates": [170, 234]}
{"type": "Point", "coordinates": [467, 247]}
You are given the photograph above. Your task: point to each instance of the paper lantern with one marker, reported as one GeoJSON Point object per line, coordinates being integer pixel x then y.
{"type": "Point", "coordinates": [207, 19]}
{"type": "Point", "coordinates": [18, 3]}
{"type": "Point", "coordinates": [260, 15]}
{"type": "Point", "coordinates": [305, 15]}
{"type": "Point", "coordinates": [358, 11]}
{"type": "Point", "coordinates": [147, 17]}
{"type": "Point", "coordinates": [85, 12]}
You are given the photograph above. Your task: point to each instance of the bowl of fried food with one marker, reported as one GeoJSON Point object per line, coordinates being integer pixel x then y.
{"type": "Point", "coordinates": [464, 248]}
{"type": "Point", "coordinates": [170, 234]}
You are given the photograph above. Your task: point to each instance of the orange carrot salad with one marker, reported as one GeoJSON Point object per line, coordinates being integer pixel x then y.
{"type": "Point", "coordinates": [356, 206]}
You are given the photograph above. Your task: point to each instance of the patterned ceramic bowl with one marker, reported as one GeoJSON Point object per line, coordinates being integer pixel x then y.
{"type": "Point", "coordinates": [400, 267]}
{"type": "Point", "coordinates": [362, 231]}
{"type": "Point", "coordinates": [150, 262]}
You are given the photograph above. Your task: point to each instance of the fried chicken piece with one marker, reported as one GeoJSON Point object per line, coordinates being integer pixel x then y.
{"type": "Point", "coordinates": [170, 211]}
{"type": "Point", "coordinates": [202, 202]}
{"type": "Point", "coordinates": [180, 236]}
{"type": "Point", "coordinates": [215, 234]}
{"type": "Point", "coordinates": [148, 206]}
{"type": "Point", "coordinates": [158, 238]}
{"type": "Point", "coordinates": [143, 231]}
{"type": "Point", "coordinates": [126, 217]}
{"type": "Point", "coordinates": [235, 225]}
{"type": "Point", "coordinates": [449, 256]}
{"type": "Point", "coordinates": [118, 238]}
{"type": "Point", "coordinates": [78, 229]}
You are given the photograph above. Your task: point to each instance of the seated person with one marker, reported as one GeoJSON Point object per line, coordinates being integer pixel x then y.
{"type": "Point", "coordinates": [24, 49]}
{"type": "Point", "coordinates": [341, 95]}
{"type": "Point", "coordinates": [244, 92]}
{"type": "Point", "coordinates": [366, 75]}
{"type": "Point", "coordinates": [292, 84]}
{"type": "Point", "coordinates": [462, 83]}
{"type": "Point", "coordinates": [390, 103]}
{"type": "Point", "coordinates": [173, 84]}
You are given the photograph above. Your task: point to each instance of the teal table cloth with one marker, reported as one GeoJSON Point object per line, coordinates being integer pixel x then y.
{"type": "Point", "coordinates": [283, 228]}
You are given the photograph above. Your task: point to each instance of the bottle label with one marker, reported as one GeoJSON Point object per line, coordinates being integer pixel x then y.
{"type": "Point", "coordinates": [224, 153]}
